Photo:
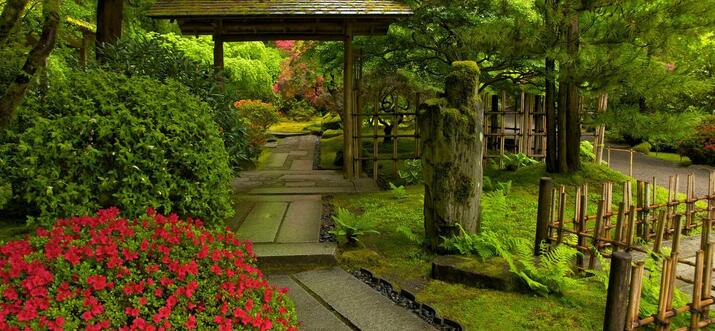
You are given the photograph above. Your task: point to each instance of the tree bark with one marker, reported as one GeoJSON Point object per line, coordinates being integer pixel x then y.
{"type": "Point", "coordinates": [109, 23]}
{"type": "Point", "coordinates": [552, 162]}
{"type": "Point", "coordinates": [452, 138]}
{"type": "Point", "coordinates": [10, 16]}
{"type": "Point", "coordinates": [573, 114]}
{"type": "Point", "coordinates": [562, 122]}
{"type": "Point", "coordinates": [38, 55]}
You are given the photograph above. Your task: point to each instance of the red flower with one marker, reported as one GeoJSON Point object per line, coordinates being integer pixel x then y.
{"type": "Point", "coordinates": [191, 322]}
{"type": "Point", "coordinates": [98, 282]}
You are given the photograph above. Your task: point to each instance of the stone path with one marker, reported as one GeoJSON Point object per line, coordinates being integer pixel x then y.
{"type": "Point", "coordinates": [280, 203]}
{"type": "Point", "coordinates": [279, 210]}
{"type": "Point", "coordinates": [645, 167]}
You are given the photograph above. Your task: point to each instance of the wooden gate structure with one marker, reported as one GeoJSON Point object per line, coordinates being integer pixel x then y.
{"type": "Point", "coordinates": [257, 20]}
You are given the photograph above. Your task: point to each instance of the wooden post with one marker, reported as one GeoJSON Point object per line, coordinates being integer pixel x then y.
{"type": "Point", "coordinates": [630, 164]}
{"type": "Point", "coordinates": [618, 292]}
{"type": "Point", "coordinates": [348, 103]}
{"type": "Point", "coordinates": [218, 61]}
{"type": "Point", "coordinates": [546, 187]}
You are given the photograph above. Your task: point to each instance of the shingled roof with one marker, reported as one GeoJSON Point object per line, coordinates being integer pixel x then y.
{"type": "Point", "coordinates": [287, 8]}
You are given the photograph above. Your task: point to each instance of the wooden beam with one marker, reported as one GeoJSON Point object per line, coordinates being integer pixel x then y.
{"type": "Point", "coordinates": [348, 103]}
{"type": "Point", "coordinates": [218, 60]}
{"type": "Point", "coordinates": [280, 36]}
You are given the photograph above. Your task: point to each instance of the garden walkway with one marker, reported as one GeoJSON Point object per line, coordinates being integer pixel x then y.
{"type": "Point", "coordinates": [646, 167]}
{"type": "Point", "coordinates": [280, 209]}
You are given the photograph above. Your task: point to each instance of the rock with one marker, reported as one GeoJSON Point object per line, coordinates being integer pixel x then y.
{"type": "Point", "coordinates": [332, 133]}
{"type": "Point", "coordinates": [332, 122]}
{"type": "Point", "coordinates": [492, 273]}
{"type": "Point", "coordinates": [359, 257]}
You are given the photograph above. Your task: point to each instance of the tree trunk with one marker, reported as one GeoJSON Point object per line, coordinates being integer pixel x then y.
{"type": "Point", "coordinates": [573, 114]}
{"type": "Point", "coordinates": [452, 138]}
{"type": "Point", "coordinates": [109, 23]}
{"type": "Point", "coordinates": [387, 129]}
{"type": "Point", "coordinates": [552, 162]}
{"type": "Point", "coordinates": [38, 55]}
{"type": "Point", "coordinates": [10, 16]}
{"type": "Point", "coordinates": [494, 119]}
{"type": "Point", "coordinates": [562, 122]}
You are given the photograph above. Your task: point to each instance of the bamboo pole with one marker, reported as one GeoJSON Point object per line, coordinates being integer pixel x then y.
{"type": "Point", "coordinates": [630, 164]}
{"type": "Point", "coordinates": [634, 301]}
{"type": "Point", "coordinates": [697, 291]}
{"type": "Point", "coordinates": [502, 137]}
{"type": "Point", "coordinates": [660, 232]}
{"type": "Point", "coordinates": [562, 210]}
{"type": "Point", "coordinates": [619, 225]}
{"type": "Point", "coordinates": [707, 278]}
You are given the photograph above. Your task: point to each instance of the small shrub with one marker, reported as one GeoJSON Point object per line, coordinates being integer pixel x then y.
{"type": "Point", "coordinates": [514, 162]}
{"type": "Point", "coordinates": [701, 148]}
{"type": "Point", "coordinates": [496, 186]}
{"type": "Point", "coordinates": [350, 227]}
{"type": "Point", "coordinates": [99, 139]}
{"type": "Point", "coordinates": [332, 133]}
{"type": "Point", "coordinates": [398, 192]}
{"type": "Point", "coordinates": [106, 272]}
{"type": "Point", "coordinates": [5, 194]}
{"type": "Point", "coordinates": [412, 174]}
{"type": "Point", "coordinates": [261, 115]}
{"type": "Point", "coordinates": [586, 151]}
{"type": "Point", "coordinates": [644, 148]}
{"type": "Point", "coordinates": [301, 111]}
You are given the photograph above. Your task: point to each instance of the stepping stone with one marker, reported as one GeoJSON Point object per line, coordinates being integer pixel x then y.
{"type": "Point", "coordinates": [295, 254]}
{"type": "Point", "coordinates": [279, 198]}
{"type": "Point", "coordinates": [301, 165]}
{"type": "Point", "coordinates": [299, 153]}
{"type": "Point", "coordinates": [299, 184]}
{"type": "Point", "coordinates": [311, 313]}
{"type": "Point", "coordinates": [276, 160]}
{"type": "Point", "coordinates": [302, 190]}
{"type": "Point", "coordinates": [360, 304]}
{"type": "Point", "coordinates": [263, 222]}
{"type": "Point", "coordinates": [301, 223]}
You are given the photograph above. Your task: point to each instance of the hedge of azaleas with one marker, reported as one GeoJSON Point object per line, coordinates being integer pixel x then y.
{"type": "Point", "coordinates": [152, 273]}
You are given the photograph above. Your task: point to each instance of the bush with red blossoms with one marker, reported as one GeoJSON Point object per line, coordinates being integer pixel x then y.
{"type": "Point", "coordinates": [701, 148]}
{"type": "Point", "coordinates": [152, 273]}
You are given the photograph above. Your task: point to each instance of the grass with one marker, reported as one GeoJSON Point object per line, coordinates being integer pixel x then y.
{"type": "Point", "coordinates": [290, 126]}
{"type": "Point", "coordinates": [397, 254]}
{"type": "Point", "coordinates": [682, 161]}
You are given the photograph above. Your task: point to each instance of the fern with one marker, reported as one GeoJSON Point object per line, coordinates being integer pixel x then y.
{"type": "Point", "coordinates": [549, 274]}
{"type": "Point", "coordinates": [350, 226]}
{"type": "Point", "coordinates": [399, 192]}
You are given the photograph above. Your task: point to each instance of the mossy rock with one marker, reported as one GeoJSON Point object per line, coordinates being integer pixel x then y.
{"type": "Point", "coordinates": [361, 257]}
{"type": "Point", "coordinates": [492, 273]}
{"type": "Point", "coordinates": [315, 129]}
{"type": "Point", "coordinates": [332, 133]}
{"type": "Point", "coordinates": [332, 122]}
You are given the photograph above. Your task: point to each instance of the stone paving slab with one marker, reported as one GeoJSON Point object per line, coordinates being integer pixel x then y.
{"type": "Point", "coordinates": [303, 190]}
{"type": "Point", "coordinates": [296, 253]}
{"type": "Point", "coordinates": [357, 302]}
{"type": "Point", "coordinates": [278, 198]}
{"type": "Point", "coordinates": [301, 165]}
{"type": "Point", "coordinates": [276, 160]}
{"type": "Point", "coordinates": [301, 222]}
{"type": "Point", "coordinates": [263, 222]}
{"type": "Point", "coordinates": [311, 313]}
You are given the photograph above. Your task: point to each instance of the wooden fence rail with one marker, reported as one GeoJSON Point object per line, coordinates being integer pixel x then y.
{"type": "Point", "coordinates": [639, 223]}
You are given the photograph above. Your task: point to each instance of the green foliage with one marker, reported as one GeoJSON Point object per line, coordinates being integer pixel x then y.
{"type": "Point", "coordinates": [643, 147]}
{"type": "Point", "coordinates": [412, 172]}
{"type": "Point", "coordinates": [99, 139]}
{"type": "Point", "coordinates": [496, 186]}
{"type": "Point", "coordinates": [301, 111]}
{"type": "Point", "coordinates": [160, 57]}
{"type": "Point", "coordinates": [586, 151]}
{"type": "Point", "coordinates": [550, 274]}
{"type": "Point", "coordinates": [260, 114]}
{"type": "Point", "coordinates": [350, 226]}
{"type": "Point", "coordinates": [5, 194]}
{"type": "Point", "coordinates": [514, 162]}
{"type": "Point", "coordinates": [664, 131]}
{"type": "Point", "coordinates": [398, 192]}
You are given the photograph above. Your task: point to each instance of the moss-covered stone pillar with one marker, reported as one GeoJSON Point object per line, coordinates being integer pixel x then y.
{"type": "Point", "coordinates": [452, 138]}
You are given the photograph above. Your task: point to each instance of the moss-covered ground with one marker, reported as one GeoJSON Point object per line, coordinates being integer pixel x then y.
{"type": "Point", "coordinates": [291, 126]}
{"type": "Point", "coordinates": [682, 161]}
{"type": "Point", "coordinates": [397, 254]}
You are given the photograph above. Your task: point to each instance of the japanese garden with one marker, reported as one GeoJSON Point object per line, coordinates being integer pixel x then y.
{"type": "Point", "coordinates": [357, 165]}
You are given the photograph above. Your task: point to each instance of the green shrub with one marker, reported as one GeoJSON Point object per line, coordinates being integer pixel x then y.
{"type": "Point", "coordinates": [100, 139]}
{"type": "Point", "coordinates": [332, 122]}
{"type": "Point", "coordinates": [160, 57]}
{"type": "Point", "coordinates": [643, 147]}
{"type": "Point", "coordinates": [412, 174]}
{"type": "Point", "coordinates": [301, 111]}
{"type": "Point", "coordinates": [261, 115]}
{"type": "Point", "coordinates": [663, 130]}
{"type": "Point", "coordinates": [5, 194]}
{"type": "Point", "coordinates": [514, 162]}
{"type": "Point", "coordinates": [586, 151]}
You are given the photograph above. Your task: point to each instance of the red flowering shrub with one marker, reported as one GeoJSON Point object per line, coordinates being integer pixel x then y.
{"type": "Point", "coordinates": [701, 148]}
{"type": "Point", "coordinates": [152, 273]}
